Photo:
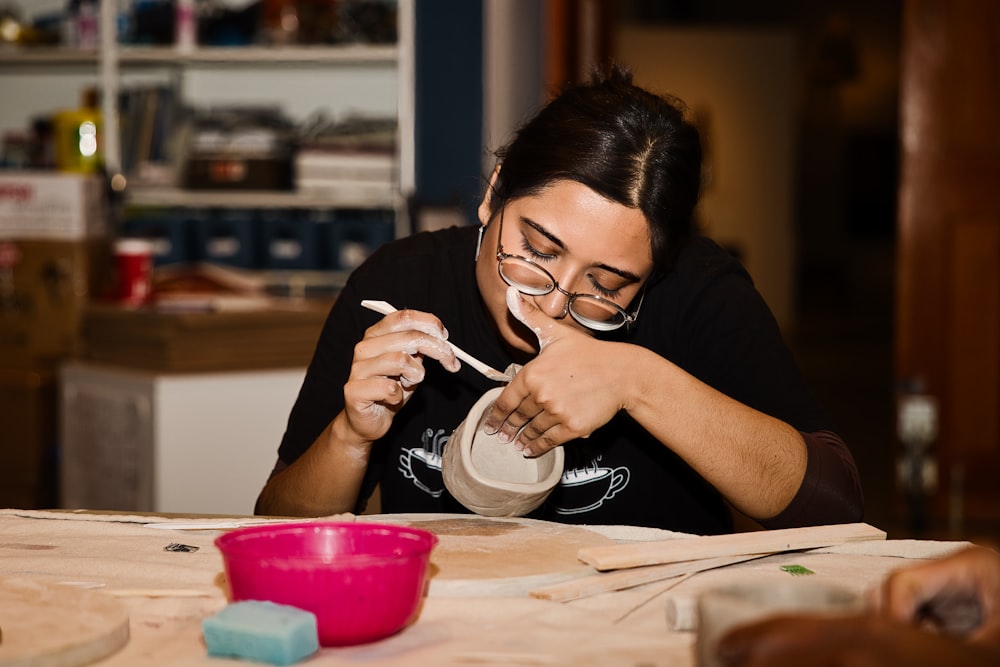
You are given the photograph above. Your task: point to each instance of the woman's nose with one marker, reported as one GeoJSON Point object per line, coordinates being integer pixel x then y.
{"type": "Point", "coordinates": [555, 304]}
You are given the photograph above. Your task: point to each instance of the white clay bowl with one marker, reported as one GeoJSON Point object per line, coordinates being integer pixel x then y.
{"type": "Point", "coordinates": [492, 478]}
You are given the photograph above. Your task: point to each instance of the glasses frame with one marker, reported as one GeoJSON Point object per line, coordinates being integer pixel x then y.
{"type": "Point", "coordinates": [627, 319]}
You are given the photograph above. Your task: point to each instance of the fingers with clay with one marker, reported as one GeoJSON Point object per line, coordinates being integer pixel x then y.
{"type": "Point", "coordinates": [414, 334]}
{"type": "Point", "coordinates": [388, 364]}
{"type": "Point", "coordinates": [394, 348]}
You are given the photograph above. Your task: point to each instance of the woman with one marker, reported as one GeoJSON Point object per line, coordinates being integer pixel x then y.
{"type": "Point", "coordinates": [647, 353]}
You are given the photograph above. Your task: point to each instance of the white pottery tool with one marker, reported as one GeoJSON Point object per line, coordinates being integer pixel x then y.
{"type": "Point", "coordinates": [488, 371]}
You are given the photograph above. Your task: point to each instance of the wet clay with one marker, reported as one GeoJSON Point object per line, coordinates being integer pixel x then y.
{"type": "Point", "coordinates": [492, 478]}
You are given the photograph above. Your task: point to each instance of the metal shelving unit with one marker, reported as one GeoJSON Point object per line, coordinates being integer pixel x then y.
{"type": "Point", "coordinates": [112, 61]}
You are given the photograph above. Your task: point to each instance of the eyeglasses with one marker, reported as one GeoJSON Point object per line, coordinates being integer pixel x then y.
{"type": "Point", "coordinates": [590, 310]}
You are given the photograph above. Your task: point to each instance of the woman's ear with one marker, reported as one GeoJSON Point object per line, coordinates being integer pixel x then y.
{"type": "Point", "coordinates": [484, 206]}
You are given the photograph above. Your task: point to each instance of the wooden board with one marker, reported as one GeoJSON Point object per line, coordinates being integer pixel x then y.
{"type": "Point", "coordinates": [481, 555]}
{"type": "Point", "coordinates": [53, 625]}
{"type": "Point", "coordinates": [620, 556]}
{"type": "Point", "coordinates": [604, 582]}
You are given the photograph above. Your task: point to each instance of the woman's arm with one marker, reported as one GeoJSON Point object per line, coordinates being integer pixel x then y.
{"type": "Point", "coordinates": [325, 480]}
{"type": "Point", "coordinates": [577, 384]}
{"type": "Point", "coordinates": [387, 367]}
{"type": "Point", "coordinates": [755, 461]}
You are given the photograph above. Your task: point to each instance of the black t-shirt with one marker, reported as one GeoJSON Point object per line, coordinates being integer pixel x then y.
{"type": "Point", "coordinates": [705, 316]}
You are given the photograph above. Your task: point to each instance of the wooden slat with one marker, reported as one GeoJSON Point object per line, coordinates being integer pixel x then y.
{"type": "Point", "coordinates": [621, 556]}
{"type": "Point", "coordinates": [605, 582]}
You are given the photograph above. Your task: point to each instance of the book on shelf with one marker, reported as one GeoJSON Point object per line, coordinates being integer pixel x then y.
{"type": "Point", "coordinates": [148, 117]}
{"type": "Point", "coordinates": [317, 164]}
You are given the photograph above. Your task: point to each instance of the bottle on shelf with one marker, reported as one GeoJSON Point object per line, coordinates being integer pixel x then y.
{"type": "Point", "coordinates": [77, 136]}
{"type": "Point", "coordinates": [185, 25]}
{"type": "Point", "coordinates": [87, 25]}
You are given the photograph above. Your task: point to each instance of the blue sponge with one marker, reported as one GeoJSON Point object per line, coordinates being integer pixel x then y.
{"type": "Point", "coordinates": [261, 631]}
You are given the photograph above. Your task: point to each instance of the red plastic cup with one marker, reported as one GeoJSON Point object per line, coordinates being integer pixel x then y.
{"type": "Point", "coordinates": [134, 266]}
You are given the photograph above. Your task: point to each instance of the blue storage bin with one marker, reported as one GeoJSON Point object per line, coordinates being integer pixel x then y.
{"type": "Point", "coordinates": [293, 240]}
{"type": "Point", "coordinates": [227, 236]}
{"type": "Point", "coordinates": [356, 234]}
{"type": "Point", "coordinates": [167, 229]}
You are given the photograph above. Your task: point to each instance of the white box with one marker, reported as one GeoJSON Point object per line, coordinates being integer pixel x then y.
{"type": "Point", "coordinates": [188, 443]}
{"type": "Point", "coordinates": [52, 206]}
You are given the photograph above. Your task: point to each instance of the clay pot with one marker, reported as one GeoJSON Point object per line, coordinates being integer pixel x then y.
{"type": "Point", "coordinates": [492, 478]}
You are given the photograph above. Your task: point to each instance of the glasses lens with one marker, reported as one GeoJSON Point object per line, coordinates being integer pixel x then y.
{"type": "Point", "coordinates": [525, 276]}
{"type": "Point", "coordinates": [596, 313]}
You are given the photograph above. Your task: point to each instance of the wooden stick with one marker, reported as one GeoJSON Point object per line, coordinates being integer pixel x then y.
{"type": "Point", "coordinates": [621, 556]}
{"type": "Point", "coordinates": [161, 593]}
{"type": "Point", "coordinates": [677, 580]}
{"type": "Point", "coordinates": [605, 582]}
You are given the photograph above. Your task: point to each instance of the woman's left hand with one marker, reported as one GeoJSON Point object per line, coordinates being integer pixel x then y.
{"type": "Point", "coordinates": [574, 386]}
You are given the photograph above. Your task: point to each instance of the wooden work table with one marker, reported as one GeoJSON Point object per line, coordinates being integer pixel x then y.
{"type": "Point", "coordinates": [483, 604]}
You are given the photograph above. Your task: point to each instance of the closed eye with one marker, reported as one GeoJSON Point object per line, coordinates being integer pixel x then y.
{"type": "Point", "coordinates": [597, 281]}
{"type": "Point", "coordinates": [600, 290]}
{"type": "Point", "coordinates": [535, 254]}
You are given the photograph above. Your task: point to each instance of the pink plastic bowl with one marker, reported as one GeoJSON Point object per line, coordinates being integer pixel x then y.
{"type": "Point", "coordinates": [363, 581]}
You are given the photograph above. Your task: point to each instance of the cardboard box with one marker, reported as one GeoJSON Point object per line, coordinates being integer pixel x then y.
{"type": "Point", "coordinates": [28, 447]}
{"type": "Point", "coordinates": [52, 206]}
{"type": "Point", "coordinates": [44, 288]}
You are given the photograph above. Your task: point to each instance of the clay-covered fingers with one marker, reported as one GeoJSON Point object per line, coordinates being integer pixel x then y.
{"type": "Point", "coordinates": [506, 422]}
{"type": "Point", "coordinates": [540, 435]}
{"type": "Point", "coordinates": [388, 365]}
{"type": "Point", "coordinates": [411, 332]}
{"type": "Point", "coordinates": [533, 428]}
{"type": "Point", "coordinates": [394, 357]}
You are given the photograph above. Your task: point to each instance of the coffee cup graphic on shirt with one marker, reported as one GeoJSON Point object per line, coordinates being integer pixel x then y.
{"type": "Point", "coordinates": [422, 465]}
{"type": "Point", "coordinates": [591, 486]}
{"type": "Point", "coordinates": [424, 469]}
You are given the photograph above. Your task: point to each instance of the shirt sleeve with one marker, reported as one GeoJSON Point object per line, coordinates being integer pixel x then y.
{"type": "Point", "coordinates": [830, 492]}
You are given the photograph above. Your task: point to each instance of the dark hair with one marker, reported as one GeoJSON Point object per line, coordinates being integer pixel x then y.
{"type": "Point", "coordinates": [625, 143]}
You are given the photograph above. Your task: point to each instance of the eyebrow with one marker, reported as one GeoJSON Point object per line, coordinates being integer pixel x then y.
{"type": "Point", "coordinates": [627, 275]}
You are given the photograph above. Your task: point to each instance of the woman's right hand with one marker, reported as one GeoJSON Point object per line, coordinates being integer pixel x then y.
{"type": "Point", "coordinates": [387, 367]}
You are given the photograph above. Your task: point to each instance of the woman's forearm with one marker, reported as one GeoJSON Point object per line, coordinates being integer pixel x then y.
{"type": "Point", "coordinates": [755, 461]}
{"type": "Point", "coordinates": [325, 480]}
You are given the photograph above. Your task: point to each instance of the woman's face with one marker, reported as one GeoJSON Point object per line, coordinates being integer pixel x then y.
{"type": "Point", "coordinates": [590, 245]}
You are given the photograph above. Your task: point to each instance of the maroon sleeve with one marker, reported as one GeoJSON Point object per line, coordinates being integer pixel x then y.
{"type": "Point", "coordinates": [831, 489]}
